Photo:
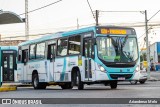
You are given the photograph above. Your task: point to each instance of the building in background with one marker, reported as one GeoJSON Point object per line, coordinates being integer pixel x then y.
{"type": "Point", "coordinates": [155, 55]}
{"type": "Point", "coordinates": [10, 42]}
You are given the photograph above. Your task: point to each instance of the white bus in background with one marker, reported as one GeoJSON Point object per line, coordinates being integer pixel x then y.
{"type": "Point", "coordinates": [8, 64]}
{"type": "Point", "coordinates": [98, 54]}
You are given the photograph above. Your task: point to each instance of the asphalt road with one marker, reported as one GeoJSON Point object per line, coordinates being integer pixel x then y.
{"type": "Point", "coordinates": [151, 89]}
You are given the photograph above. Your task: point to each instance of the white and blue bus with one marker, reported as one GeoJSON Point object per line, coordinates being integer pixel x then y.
{"type": "Point", "coordinates": [98, 54]}
{"type": "Point", "coordinates": [8, 56]}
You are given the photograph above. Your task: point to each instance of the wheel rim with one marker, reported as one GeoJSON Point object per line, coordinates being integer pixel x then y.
{"type": "Point", "coordinates": [77, 80]}
{"type": "Point", "coordinates": [35, 82]}
{"type": "Point", "coordinates": [133, 82]}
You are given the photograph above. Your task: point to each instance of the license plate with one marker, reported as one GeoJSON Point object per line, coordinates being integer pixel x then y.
{"type": "Point", "coordinates": [121, 78]}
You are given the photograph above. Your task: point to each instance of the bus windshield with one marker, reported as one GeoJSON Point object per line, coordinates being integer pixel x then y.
{"type": "Point", "coordinates": [117, 48]}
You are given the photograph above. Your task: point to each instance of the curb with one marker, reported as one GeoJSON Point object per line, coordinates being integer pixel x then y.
{"type": "Point", "coordinates": [5, 88]}
{"type": "Point", "coordinates": [24, 85]}
{"type": "Point", "coordinates": [154, 79]}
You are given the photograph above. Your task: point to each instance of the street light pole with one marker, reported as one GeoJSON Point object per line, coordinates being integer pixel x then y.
{"type": "Point", "coordinates": [147, 46]}
{"type": "Point", "coordinates": [26, 21]}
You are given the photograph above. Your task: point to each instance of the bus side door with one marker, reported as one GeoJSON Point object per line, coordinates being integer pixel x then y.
{"type": "Point", "coordinates": [8, 65]}
{"type": "Point", "coordinates": [24, 61]}
{"type": "Point", "coordinates": [88, 50]}
{"type": "Point", "coordinates": [51, 57]}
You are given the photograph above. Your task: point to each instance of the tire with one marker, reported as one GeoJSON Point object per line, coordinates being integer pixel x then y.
{"type": "Point", "coordinates": [36, 84]}
{"type": "Point", "coordinates": [43, 85]}
{"type": "Point", "coordinates": [67, 86]}
{"type": "Point", "coordinates": [76, 80]}
{"type": "Point", "coordinates": [113, 84]}
{"type": "Point", "coordinates": [105, 84]}
{"type": "Point", "coordinates": [133, 81]}
{"type": "Point", "coordinates": [142, 82]}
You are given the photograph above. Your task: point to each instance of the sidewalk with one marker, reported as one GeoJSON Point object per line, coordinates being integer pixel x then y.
{"type": "Point", "coordinates": [8, 87]}
{"type": "Point", "coordinates": [154, 76]}
{"type": "Point", "coordinates": [12, 86]}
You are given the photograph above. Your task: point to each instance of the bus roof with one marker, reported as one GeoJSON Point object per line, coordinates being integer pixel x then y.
{"type": "Point", "coordinates": [63, 34]}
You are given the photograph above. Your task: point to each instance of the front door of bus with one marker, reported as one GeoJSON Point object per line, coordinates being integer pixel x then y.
{"type": "Point", "coordinates": [88, 55]}
{"type": "Point", "coordinates": [25, 60]}
{"type": "Point", "coordinates": [8, 65]}
{"type": "Point", "coordinates": [51, 57]}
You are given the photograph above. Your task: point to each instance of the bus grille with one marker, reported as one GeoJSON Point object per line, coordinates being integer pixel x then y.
{"type": "Point", "coordinates": [115, 76]}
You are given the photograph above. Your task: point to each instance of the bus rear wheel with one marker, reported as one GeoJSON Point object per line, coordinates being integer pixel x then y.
{"type": "Point", "coordinates": [76, 80]}
{"type": "Point", "coordinates": [113, 84]}
{"type": "Point", "coordinates": [67, 86]}
{"type": "Point", "coordinates": [36, 84]}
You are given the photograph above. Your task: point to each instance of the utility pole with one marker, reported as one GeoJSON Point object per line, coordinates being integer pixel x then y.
{"type": "Point", "coordinates": [147, 46]}
{"type": "Point", "coordinates": [97, 14]}
{"type": "Point", "coordinates": [77, 24]}
{"type": "Point", "coordinates": [26, 21]}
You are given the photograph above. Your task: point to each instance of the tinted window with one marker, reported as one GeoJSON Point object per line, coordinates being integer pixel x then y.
{"type": "Point", "coordinates": [74, 44]}
{"type": "Point", "coordinates": [40, 51]}
{"type": "Point", "coordinates": [32, 52]}
{"type": "Point", "coordinates": [25, 56]}
{"type": "Point", "coordinates": [62, 47]}
{"type": "Point", "coordinates": [19, 54]}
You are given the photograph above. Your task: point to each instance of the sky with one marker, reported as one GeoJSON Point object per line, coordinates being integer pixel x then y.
{"type": "Point", "coordinates": [63, 16]}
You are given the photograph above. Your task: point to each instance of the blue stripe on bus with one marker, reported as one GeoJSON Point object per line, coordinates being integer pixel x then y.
{"type": "Point", "coordinates": [63, 71]}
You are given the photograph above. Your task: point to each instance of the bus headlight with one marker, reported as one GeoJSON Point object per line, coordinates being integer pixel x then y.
{"type": "Point", "coordinates": [137, 68]}
{"type": "Point", "coordinates": [101, 68]}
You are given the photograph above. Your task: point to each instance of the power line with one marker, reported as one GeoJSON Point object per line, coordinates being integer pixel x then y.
{"type": "Point", "coordinates": [41, 7]}
{"type": "Point", "coordinates": [36, 9]}
{"type": "Point", "coordinates": [154, 15]}
{"type": "Point", "coordinates": [71, 27]}
{"type": "Point", "coordinates": [145, 33]}
{"type": "Point", "coordinates": [149, 20]}
{"type": "Point", "coordinates": [132, 25]}
{"type": "Point", "coordinates": [91, 10]}
{"type": "Point", "coordinates": [120, 11]}
{"type": "Point", "coordinates": [28, 35]}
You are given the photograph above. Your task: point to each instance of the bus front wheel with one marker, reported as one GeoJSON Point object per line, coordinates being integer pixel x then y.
{"type": "Point", "coordinates": [113, 84]}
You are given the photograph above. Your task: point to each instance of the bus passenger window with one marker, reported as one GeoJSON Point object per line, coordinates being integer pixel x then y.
{"type": "Point", "coordinates": [19, 55]}
{"type": "Point", "coordinates": [24, 56]}
{"type": "Point", "coordinates": [32, 52]}
{"type": "Point", "coordinates": [51, 52]}
{"type": "Point", "coordinates": [40, 50]}
{"type": "Point", "coordinates": [62, 47]}
{"type": "Point", "coordinates": [74, 44]}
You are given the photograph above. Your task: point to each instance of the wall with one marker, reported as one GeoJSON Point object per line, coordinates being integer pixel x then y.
{"type": "Point", "coordinates": [10, 42]}
{"type": "Point", "coordinates": [153, 52]}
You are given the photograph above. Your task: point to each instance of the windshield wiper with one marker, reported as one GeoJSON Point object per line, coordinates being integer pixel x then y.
{"type": "Point", "coordinates": [125, 41]}
{"type": "Point", "coordinates": [127, 55]}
